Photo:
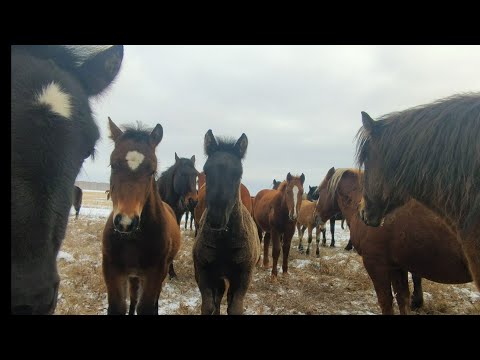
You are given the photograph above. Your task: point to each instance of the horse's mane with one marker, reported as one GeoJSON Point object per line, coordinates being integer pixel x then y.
{"type": "Point", "coordinates": [282, 186]}
{"type": "Point", "coordinates": [165, 181]}
{"type": "Point", "coordinates": [138, 134]}
{"type": "Point", "coordinates": [335, 180]}
{"type": "Point", "coordinates": [439, 140]}
{"type": "Point", "coordinates": [226, 144]}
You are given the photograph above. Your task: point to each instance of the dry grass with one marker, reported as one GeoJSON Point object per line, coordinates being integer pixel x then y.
{"type": "Point", "coordinates": [336, 283]}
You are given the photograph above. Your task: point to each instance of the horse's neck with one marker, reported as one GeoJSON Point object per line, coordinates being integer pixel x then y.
{"type": "Point", "coordinates": [167, 191]}
{"type": "Point", "coordinates": [154, 204]}
{"type": "Point", "coordinates": [283, 200]}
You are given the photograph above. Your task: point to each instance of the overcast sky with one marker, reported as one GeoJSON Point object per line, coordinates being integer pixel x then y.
{"type": "Point", "coordinates": [298, 105]}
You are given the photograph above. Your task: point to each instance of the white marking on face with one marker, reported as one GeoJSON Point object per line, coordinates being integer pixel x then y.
{"type": "Point", "coordinates": [126, 221]}
{"type": "Point", "coordinates": [295, 197]}
{"type": "Point", "coordinates": [58, 101]}
{"type": "Point", "coordinates": [134, 159]}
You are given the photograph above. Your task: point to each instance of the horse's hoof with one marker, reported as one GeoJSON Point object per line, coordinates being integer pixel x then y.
{"type": "Point", "coordinates": [274, 278]}
{"type": "Point", "coordinates": [267, 266]}
{"type": "Point", "coordinates": [286, 274]}
{"type": "Point", "coordinates": [308, 252]}
{"type": "Point", "coordinates": [332, 245]}
{"type": "Point", "coordinates": [318, 255]}
{"type": "Point", "coordinates": [416, 304]}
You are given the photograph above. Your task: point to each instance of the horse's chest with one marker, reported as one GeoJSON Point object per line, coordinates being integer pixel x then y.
{"type": "Point", "coordinates": [136, 254]}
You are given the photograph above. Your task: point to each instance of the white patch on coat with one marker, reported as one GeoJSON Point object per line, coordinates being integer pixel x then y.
{"type": "Point", "coordinates": [126, 221]}
{"type": "Point", "coordinates": [56, 99]}
{"type": "Point", "coordinates": [134, 159]}
{"type": "Point", "coordinates": [295, 197]}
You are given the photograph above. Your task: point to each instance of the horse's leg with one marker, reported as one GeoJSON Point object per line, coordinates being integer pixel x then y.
{"type": "Point", "coordinates": [343, 222]}
{"type": "Point", "coordinates": [317, 239]}
{"type": "Point", "coordinates": [287, 240]}
{"type": "Point", "coordinates": [191, 220]}
{"type": "Point", "coordinates": [417, 296]}
{"type": "Point", "coordinates": [116, 283]}
{"type": "Point", "coordinates": [218, 292]}
{"type": "Point", "coordinates": [206, 290]}
{"type": "Point", "coordinates": [310, 236]}
{"type": "Point", "coordinates": [324, 233]}
{"type": "Point", "coordinates": [266, 244]}
{"type": "Point", "coordinates": [301, 231]}
{"type": "Point", "coordinates": [349, 245]}
{"type": "Point", "coordinates": [152, 286]}
{"type": "Point", "coordinates": [380, 275]}
{"type": "Point", "coordinates": [77, 211]}
{"type": "Point", "coordinates": [275, 235]}
{"type": "Point", "coordinates": [470, 240]}
{"type": "Point", "coordinates": [186, 219]}
{"type": "Point", "coordinates": [332, 230]}
{"type": "Point", "coordinates": [134, 283]}
{"type": "Point", "coordinates": [171, 271]}
{"type": "Point", "coordinates": [239, 283]}
{"type": "Point", "coordinates": [401, 290]}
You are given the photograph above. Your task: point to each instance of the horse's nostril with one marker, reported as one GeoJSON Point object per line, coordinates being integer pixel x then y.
{"type": "Point", "coordinates": [135, 222]}
{"type": "Point", "coordinates": [116, 221]}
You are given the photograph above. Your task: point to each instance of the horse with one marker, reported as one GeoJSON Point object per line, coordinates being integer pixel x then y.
{"type": "Point", "coordinates": [276, 213]}
{"type": "Point", "coordinates": [77, 200]}
{"type": "Point", "coordinates": [227, 245]}
{"type": "Point", "coordinates": [108, 194]}
{"type": "Point", "coordinates": [141, 236]}
{"type": "Point", "coordinates": [430, 153]}
{"type": "Point", "coordinates": [173, 184]}
{"type": "Point", "coordinates": [202, 204]}
{"type": "Point", "coordinates": [306, 220]}
{"type": "Point", "coordinates": [275, 184]}
{"type": "Point", "coordinates": [52, 133]}
{"type": "Point", "coordinates": [413, 238]}
{"type": "Point", "coordinates": [191, 201]}
{"type": "Point", "coordinates": [312, 195]}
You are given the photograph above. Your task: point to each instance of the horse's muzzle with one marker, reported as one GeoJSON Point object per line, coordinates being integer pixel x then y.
{"type": "Point", "coordinates": [125, 224]}
{"type": "Point", "coordinates": [46, 304]}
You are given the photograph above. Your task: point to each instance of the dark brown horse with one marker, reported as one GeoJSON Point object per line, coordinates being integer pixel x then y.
{"type": "Point", "coordinates": [141, 236]}
{"type": "Point", "coordinates": [52, 131]}
{"type": "Point", "coordinates": [276, 213]}
{"type": "Point", "coordinates": [430, 153]}
{"type": "Point", "coordinates": [413, 239]}
{"type": "Point", "coordinates": [77, 200]}
{"type": "Point", "coordinates": [227, 246]}
{"type": "Point", "coordinates": [191, 201]}
{"type": "Point", "coordinates": [174, 184]}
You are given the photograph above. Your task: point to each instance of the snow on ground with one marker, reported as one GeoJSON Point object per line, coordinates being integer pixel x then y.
{"type": "Point", "coordinates": [92, 212]}
{"type": "Point", "coordinates": [62, 255]}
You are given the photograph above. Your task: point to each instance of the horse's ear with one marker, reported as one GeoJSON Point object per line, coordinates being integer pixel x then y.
{"type": "Point", "coordinates": [156, 135]}
{"type": "Point", "coordinates": [99, 71]}
{"type": "Point", "coordinates": [241, 145]}
{"type": "Point", "coordinates": [289, 177]}
{"type": "Point", "coordinates": [210, 144]}
{"type": "Point", "coordinates": [302, 178]}
{"type": "Point", "coordinates": [330, 172]}
{"type": "Point", "coordinates": [176, 157]}
{"type": "Point", "coordinates": [115, 132]}
{"type": "Point", "coordinates": [310, 187]}
{"type": "Point", "coordinates": [193, 159]}
{"type": "Point", "coordinates": [368, 123]}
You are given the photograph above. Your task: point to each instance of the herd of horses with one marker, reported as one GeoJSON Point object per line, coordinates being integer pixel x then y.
{"type": "Point", "coordinates": [414, 208]}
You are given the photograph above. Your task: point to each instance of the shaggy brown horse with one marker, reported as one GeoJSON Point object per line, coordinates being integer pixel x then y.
{"type": "Point", "coordinates": [413, 239]}
{"type": "Point", "coordinates": [53, 131]}
{"type": "Point", "coordinates": [227, 246]}
{"type": "Point", "coordinates": [430, 153]}
{"type": "Point", "coordinates": [306, 220]}
{"type": "Point", "coordinates": [141, 236]}
{"type": "Point", "coordinates": [201, 205]}
{"type": "Point", "coordinates": [77, 200]}
{"type": "Point", "coordinates": [276, 213]}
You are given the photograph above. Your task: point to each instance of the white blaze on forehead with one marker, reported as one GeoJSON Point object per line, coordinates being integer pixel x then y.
{"type": "Point", "coordinates": [295, 198]}
{"type": "Point", "coordinates": [56, 99]}
{"type": "Point", "coordinates": [134, 159]}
